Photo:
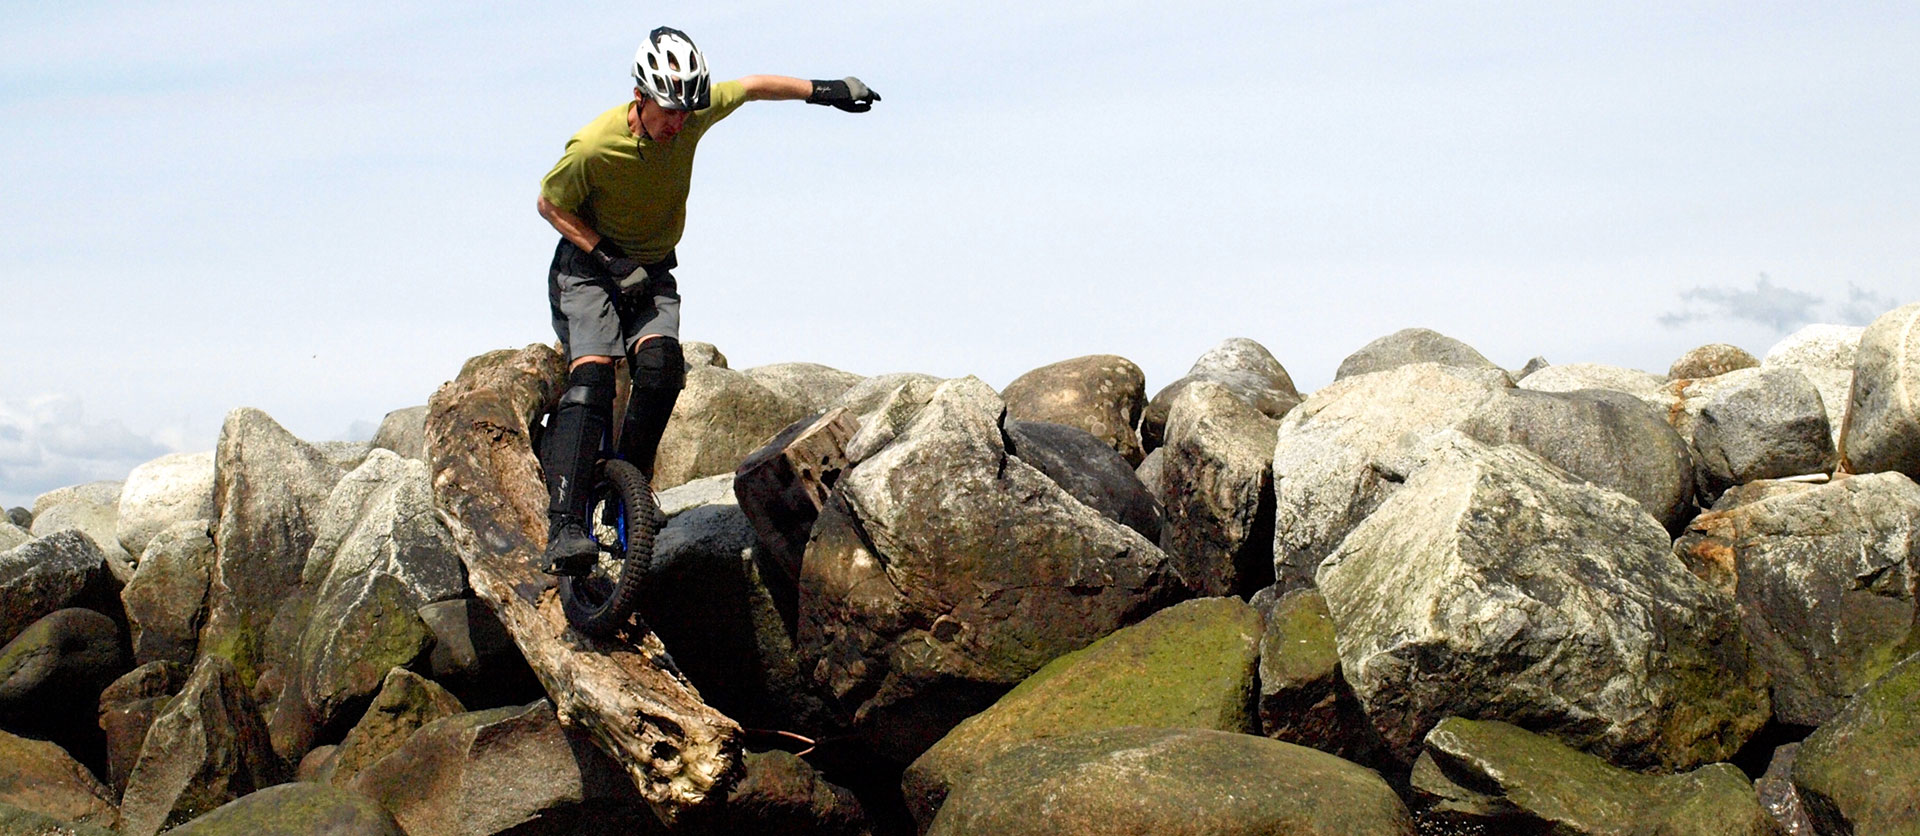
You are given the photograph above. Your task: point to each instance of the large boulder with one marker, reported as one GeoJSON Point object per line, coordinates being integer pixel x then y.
{"type": "Point", "coordinates": [1521, 594]}
{"type": "Point", "coordinates": [513, 769]}
{"type": "Point", "coordinates": [406, 702]}
{"type": "Point", "coordinates": [1817, 346]}
{"type": "Point", "coordinates": [947, 570]}
{"type": "Point", "coordinates": [1304, 699]}
{"type": "Point", "coordinates": [16, 821]}
{"type": "Point", "coordinates": [1882, 427]}
{"type": "Point", "coordinates": [207, 748]}
{"type": "Point", "coordinates": [128, 708]}
{"type": "Point", "coordinates": [1608, 438]}
{"type": "Point", "coordinates": [1824, 579]}
{"type": "Point", "coordinates": [811, 385]}
{"type": "Point", "coordinates": [721, 417]}
{"type": "Point", "coordinates": [1189, 666]}
{"type": "Point", "coordinates": [1118, 782]}
{"type": "Point", "coordinates": [1100, 393]}
{"type": "Point", "coordinates": [1337, 455]}
{"type": "Point", "coordinates": [1493, 777]}
{"type": "Point", "coordinates": [1573, 377]}
{"type": "Point", "coordinates": [1091, 471]}
{"type": "Point", "coordinates": [1753, 424]}
{"type": "Point", "coordinates": [93, 508]}
{"type": "Point", "coordinates": [63, 569]}
{"type": "Point", "coordinates": [303, 809]}
{"type": "Point", "coordinates": [1409, 346]}
{"type": "Point", "coordinates": [1857, 773]}
{"type": "Point", "coordinates": [164, 492]}
{"type": "Point", "coordinates": [1711, 361]}
{"type": "Point", "coordinates": [166, 601]}
{"type": "Point", "coordinates": [882, 414]}
{"type": "Point", "coordinates": [1245, 367]}
{"type": "Point", "coordinates": [51, 676]}
{"type": "Point", "coordinates": [404, 431]}
{"type": "Point", "coordinates": [1216, 481]}
{"type": "Point", "coordinates": [40, 777]}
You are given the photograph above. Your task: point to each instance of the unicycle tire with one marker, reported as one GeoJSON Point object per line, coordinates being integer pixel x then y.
{"type": "Point", "coordinates": [624, 520]}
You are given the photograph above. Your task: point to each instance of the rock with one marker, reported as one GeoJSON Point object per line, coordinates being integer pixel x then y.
{"type": "Point", "coordinates": [1824, 580]}
{"type": "Point", "coordinates": [1409, 346]}
{"type": "Point", "coordinates": [1100, 393]}
{"type": "Point", "coordinates": [1189, 666]}
{"type": "Point", "coordinates": [1155, 781]}
{"type": "Point", "coordinates": [302, 809]}
{"type": "Point", "coordinates": [1216, 480]}
{"type": "Point", "coordinates": [1534, 364]}
{"type": "Point", "coordinates": [404, 431]}
{"type": "Point", "coordinates": [919, 614]}
{"type": "Point", "coordinates": [1152, 472]}
{"type": "Point", "coordinates": [1753, 424]}
{"type": "Point", "coordinates": [474, 658]}
{"type": "Point", "coordinates": [1882, 428]}
{"type": "Point", "coordinates": [345, 455]}
{"type": "Point", "coordinates": [128, 708]}
{"type": "Point", "coordinates": [1245, 367]}
{"type": "Point", "coordinates": [51, 676]}
{"type": "Point", "coordinates": [1817, 346]}
{"type": "Point", "coordinates": [1332, 464]}
{"type": "Point", "coordinates": [811, 385]}
{"type": "Point", "coordinates": [721, 416]}
{"type": "Point", "coordinates": [883, 417]}
{"type": "Point", "coordinates": [93, 508]}
{"type": "Point", "coordinates": [378, 627]}
{"type": "Point", "coordinates": [1711, 361]}
{"type": "Point", "coordinates": [782, 794]}
{"type": "Point", "coordinates": [40, 777]}
{"type": "Point", "coordinates": [702, 354]}
{"type": "Point", "coordinates": [1490, 775]}
{"type": "Point", "coordinates": [1572, 377]}
{"type": "Point", "coordinates": [1778, 795]}
{"type": "Point", "coordinates": [164, 492]}
{"type": "Point", "coordinates": [1522, 595]}
{"type": "Point", "coordinates": [207, 748]}
{"type": "Point", "coordinates": [15, 821]}
{"type": "Point", "coordinates": [1607, 438]}
{"type": "Point", "coordinates": [1303, 698]}
{"type": "Point", "coordinates": [506, 769]}
{"type": "Point", "coordinates": [315, 763]}
{"type": "Point", "coordinates": [780, 488]}
{"type": "Point", "coordinates": [1856, 773]}
{"type": "Point", "coordinates": [98, 494]}
{"type": "Point", "coordinates": [406, 703]}
{"type": "Point", "coordinates": [20, 517]}
{"type": "Point", "coordinates": [1091, 471]}
{"type": "Point", "coordinates": [63, 569]}
{"type": "Point", "coordinates": [166, 601]}
{"type": "Point", "coordinates": [11, 536]}
{"type": "Point", "coordinates": [269, 487]}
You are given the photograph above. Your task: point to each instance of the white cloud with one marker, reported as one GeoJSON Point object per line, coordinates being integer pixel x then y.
{"type": "Point", "coordinates": [1779, 308]}
{"type": "Point", "coordinates": [46, 442]}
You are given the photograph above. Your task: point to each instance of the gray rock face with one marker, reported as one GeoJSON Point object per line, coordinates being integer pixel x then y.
{"type": "Point", "coordinates": [1092, 472]}
{"type": "Point", "coordinates": [950, 569]}
{"type": "Point", "coordinates": [1409, 346]}
{"type": "Point", "coordinates": [161, 493]}
{"type": "Point", "coordinates": [1856, 773]}
{"type": "Point", "coordinates": [1102, 394]}
{"type": "Point", "coordinates": [1303, 697]}
{"type": "Point", "coordinates": [166, 601]}
{"type": "Point", "coordinates": [1816, 346]}
{"type": "Point", "coordinates": [1572, 377]}
{"type": "Point", "coordinates": [128, 708]}
{"type": "Point", "coordinates": [93, 508]}
{"type": "Point", "coordinates": [504, 770]}
{"type": "Point", "coordinates": [1493, 777]}
{"type": "Point", "coordinates": [51, 676]}
{"type": "Point", "coordinates": [1335, 457]}
{"type": "Point", "coordinates": [1216, 481]}
{"type": "Point", "coordinates": [206, 749]}
{"type": "Point", "coordinates": [811, 385]}
{"type": "Point", "coordinates": [63, 569]}
{"type": "Point", "coordinates": [1607, 438]}
{"type": "Point", "coordinates": [1521, 595]}
{"type": "Point", "coordinates": [1245, 367]}
{"type": "Point", "coordinates": [1156, 781]}
{"type": "Point", "coordinates": [702, 354]}
{"type": "Point", "coordinates": [721, 417]}
{"type": "Point", "coordinates": [302, 809]}
{"type": "Point", "coordinates": [404, 431]}
{"type": "Point", "coordinates": [1824, 578]}
{"type": "Point", "coordinates": [40, 777]}
{"type": "Point", "coordinates": [883, 415]}
{"type": "Point", "coordinates": [1754, 424]}
{"type": "Point", "coordinates": [1711, 361]}
{"type": "Point", "coordinates": [405, 704]}
{"type": "Point", "coordinates": [1882, 427]}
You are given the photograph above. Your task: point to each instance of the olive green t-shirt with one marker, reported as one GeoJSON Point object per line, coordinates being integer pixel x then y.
{"type": "Point", "coordinates": [632, 189]}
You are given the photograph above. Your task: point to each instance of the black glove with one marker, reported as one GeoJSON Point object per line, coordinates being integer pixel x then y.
{"type": "Point", "coordinates": [624, 270]}
{"type": "Point", "coordinates": [849, 94]}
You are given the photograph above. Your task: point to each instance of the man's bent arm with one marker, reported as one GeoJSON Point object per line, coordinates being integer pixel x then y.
{"type": "Point", "coordinates": [570, 225]}
{"type": "Point", "coordinates": [763, 88]}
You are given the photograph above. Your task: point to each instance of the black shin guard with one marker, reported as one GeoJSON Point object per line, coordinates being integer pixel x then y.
{"type": "Point", "coordinates": [573, 438]}
{"type": "Point", "coordinates": [659, 373]}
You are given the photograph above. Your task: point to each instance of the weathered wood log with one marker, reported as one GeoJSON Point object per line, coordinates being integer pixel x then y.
{"type": "Point", "coordinates": [782, 486]}
{"type": "Point", "coordinates": [625, 692]}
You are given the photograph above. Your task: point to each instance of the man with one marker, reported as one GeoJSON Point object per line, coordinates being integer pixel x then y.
{"type": "Point", "coordinates": [618, 197]}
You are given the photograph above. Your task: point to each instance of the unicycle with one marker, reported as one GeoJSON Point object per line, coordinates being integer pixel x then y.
{"type": "Point", "coordinates": [623, 519]}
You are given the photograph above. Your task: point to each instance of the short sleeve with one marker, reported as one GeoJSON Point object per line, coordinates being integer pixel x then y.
{"type": "Point", "coordinates": [566, 185]}
{"type": "Point", "coordinates": [725, 98]}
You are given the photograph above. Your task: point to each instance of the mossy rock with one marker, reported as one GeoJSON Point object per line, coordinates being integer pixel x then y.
{"type": "Point", "coordinates": [1858, 772]}
{"type": "Point", "coordinates": [303, 809]}
{"type": "Point", "coordinates": [15, 821]}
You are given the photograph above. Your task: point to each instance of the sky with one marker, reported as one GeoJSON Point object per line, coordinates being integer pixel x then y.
{"type": "Point", "coordinates": [321, 210]}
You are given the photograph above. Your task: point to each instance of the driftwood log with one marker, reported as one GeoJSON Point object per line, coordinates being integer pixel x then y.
{"type": "Point", "coordinates": [781, 488]}
{"type": "Point", "coordinates": [624, 692]}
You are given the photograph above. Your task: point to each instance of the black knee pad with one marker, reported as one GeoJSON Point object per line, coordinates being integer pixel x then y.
{"type": "Point", "coordinates": [659, 364]}
{"type": "Point", "coordinates": [590, 385]}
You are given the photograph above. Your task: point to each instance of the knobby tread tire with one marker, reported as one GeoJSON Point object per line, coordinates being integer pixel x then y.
{"type": "Point", "coordinates": [588, 612]}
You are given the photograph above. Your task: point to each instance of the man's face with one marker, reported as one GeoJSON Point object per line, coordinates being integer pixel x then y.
{"type": "Point", "coordinates": [660, 123]}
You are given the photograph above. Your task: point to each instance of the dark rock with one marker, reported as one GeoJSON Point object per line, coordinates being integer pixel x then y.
{"type": "Point", "coordinates": [474, 657]}
{"type": "Point", "coordinates": [404, 431]}
{"type": "Point", "coordinates": [1409, 346]}
{"type": "Point", "coordinates": [1216, 480]}
{"type": "Point", "coordinates": [1857, 772]}
{"type": "Point", "coordinates": [207, 748]}
{"type": "Point", "coordinates": [302, 809]}
{"type": "Point", "coordinates": [1882, 428]}
{"type": "Point", "coordinates": [1158, 781]}
{"type": "Point", "coordinates": [406, 702]}
{"type": "Point", "coordinates": [1303, 698]}
{"type": "Point", "coordinates": [128, 708]}
{"type": "Point", "coordinates": [51, 676]}
{"type": "Point", "coordinates": [1102, 394]}
{"type": "Point", "coordinates": [20, 516]}
{"type": "Point", "coordinates": [1778, 795]}
{"type": "Point", "coordinates": [1711, 361]}
{"type": "Point", "coordinates": [63, 569]}
{"type": "Point", "coordinates": [15, 821]}
{"type": "Point", "coordinates": [782, 795]}
{"type": "Point", "coordinates": [41, 777]}
{"type": "Point", "coordinates": [1089, 470]}
{"type": "Point", "coordinates": [166, 601]}
{"type": "Point", "coordinates": [1245, 367]}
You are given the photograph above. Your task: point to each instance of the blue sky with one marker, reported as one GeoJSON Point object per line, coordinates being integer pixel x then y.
{"type": "Point", "coordinates": [320, 210]}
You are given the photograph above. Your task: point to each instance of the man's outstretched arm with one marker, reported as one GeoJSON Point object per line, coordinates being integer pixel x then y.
{"type": "Point", "coordinates": [848, 94]}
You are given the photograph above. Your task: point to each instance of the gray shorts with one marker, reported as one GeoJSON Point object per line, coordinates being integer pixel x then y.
{"type": "Point", "coordinates": [591, 317]}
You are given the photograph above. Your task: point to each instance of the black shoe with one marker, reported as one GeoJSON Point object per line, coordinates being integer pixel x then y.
{"type": "Point", "coordinates": [569, 550]}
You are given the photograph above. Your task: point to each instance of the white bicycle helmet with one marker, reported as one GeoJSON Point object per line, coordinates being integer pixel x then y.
{"type": "Point", "coordinates": [672, 71]}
